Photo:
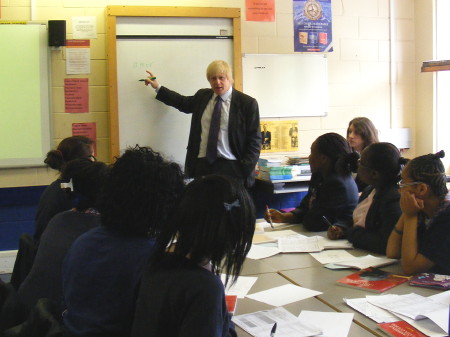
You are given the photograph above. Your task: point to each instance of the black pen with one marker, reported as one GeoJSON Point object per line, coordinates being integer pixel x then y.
{"type": "Point", "coordinates": [274, 328]}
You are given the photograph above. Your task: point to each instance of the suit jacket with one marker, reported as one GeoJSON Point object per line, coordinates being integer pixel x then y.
{"type": "Point", "coordinates": [381, 218]}
{"type": "Point", "coordinates": [243, 127]}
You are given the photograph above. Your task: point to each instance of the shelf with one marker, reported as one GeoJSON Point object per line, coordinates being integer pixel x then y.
{"type": "Point", "coordinates": [430, 66]}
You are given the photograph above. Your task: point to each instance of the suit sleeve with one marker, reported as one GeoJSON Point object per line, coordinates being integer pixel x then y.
{"type": "Point", "coordinates": [169, 97]}
{"type": "Point", "coordinates": [252, 138]}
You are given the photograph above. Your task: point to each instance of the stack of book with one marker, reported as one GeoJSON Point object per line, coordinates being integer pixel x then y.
{"type": "Point", "coordinates": [275, 173]}
{"type": "Point", "coordinates": [302, 165]}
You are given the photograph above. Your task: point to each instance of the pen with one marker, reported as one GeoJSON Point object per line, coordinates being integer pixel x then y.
{"type": "Point", "coordinates": [270, 218]}
{"type": "Point", "coordinates": [274, 328]}
{"type": "Point", "coordinates": [327, 221]}
{"type": "Point", "coordinates": [150, 78]}
{"type": "Point", "coordinates": [402, 276]}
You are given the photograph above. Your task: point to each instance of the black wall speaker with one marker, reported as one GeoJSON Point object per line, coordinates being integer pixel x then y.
{"type": "Point", "coordinates": [56, 33]}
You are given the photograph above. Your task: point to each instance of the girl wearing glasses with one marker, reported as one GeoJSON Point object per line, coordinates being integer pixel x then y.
{"type": "Point", "coordinates": [378, 209]}
{"type": "Point", "coordinates": [421, 237]}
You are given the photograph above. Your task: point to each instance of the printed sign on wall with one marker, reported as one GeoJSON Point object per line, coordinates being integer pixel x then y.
{"type": "Point", "coordinates": [312, 26]}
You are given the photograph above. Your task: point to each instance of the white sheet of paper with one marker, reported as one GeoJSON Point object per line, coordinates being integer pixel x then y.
{"type": "Point", "coordinates": [241, 287]}
{"type": "Point", "coordinates": [334, 244]}
{"type": "Point", "coordinates": [332, 256]}
{"type": "Point", "coordinates": [282, 295]}
{"type": "Point", "coordinates": [332, 324]}
{"type": "Point", "coordinates": [260, 323]}
{"type": "Point", "coordinates": [375, 313]}
{"type": "Point", "coordinates": [276, 225]}
{"type": "Point", "coordinates": [84, 27]}
{"type": "Point", "coordinates": [7, 260]}
{"type": "Point", "coordinates": [367, 261]}
{"type": "Point", "coordinates": [261, 252]}
{"type": "Point", "coordinates": [281, 234]}
{"type": "Point", "coordinates": [426, 326]}
{"type": "Point", "coordinates": [411, 305]}
{"type": "Point", "coordinates": [298, 244]}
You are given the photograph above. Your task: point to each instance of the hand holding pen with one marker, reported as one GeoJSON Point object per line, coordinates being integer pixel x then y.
{"type": "Point", "coordinates": [150, 80]}
{"type": "Point", "coordinates": [334, 232]}
{"type": "Point", "coordinates": [269, 217]}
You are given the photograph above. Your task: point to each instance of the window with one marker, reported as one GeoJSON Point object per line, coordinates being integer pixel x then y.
{"type": "Point", "coordinates": [443, 80]}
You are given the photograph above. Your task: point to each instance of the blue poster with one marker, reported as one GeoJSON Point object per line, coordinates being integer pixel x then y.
{"type": "Point", "coordinates": [312, 26]}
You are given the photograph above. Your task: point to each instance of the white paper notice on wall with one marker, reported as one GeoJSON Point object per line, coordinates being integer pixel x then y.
{"type": "Point", "coordinates": [287, 85]}
{"type": "Point", "coordinates": [84, 27]}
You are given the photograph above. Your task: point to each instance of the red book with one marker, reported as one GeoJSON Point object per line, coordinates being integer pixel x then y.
{"type": "Point", "coordinates": [371, 279]}
{"type": "Point", "coordinates": [400, 329]}
{"type": "Point", "coordinates": [231, 301]}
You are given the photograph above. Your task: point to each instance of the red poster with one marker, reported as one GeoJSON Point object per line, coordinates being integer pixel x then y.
{"type": "Point", "coordinates": [258, 10]}
{"type": "Point", "coordinates": [76, 95]}
{"type": "Point", "coordinates": [86, 129]}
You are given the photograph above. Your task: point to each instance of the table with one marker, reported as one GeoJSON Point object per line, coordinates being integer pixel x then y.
{"type": "Point", "coordinates": [303, 270]}
{"type": "Point", "coordinates": [271, 280]}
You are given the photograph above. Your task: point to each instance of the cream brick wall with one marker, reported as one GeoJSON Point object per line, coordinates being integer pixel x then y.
{"type": "Point", "coordinates": [359, 70]}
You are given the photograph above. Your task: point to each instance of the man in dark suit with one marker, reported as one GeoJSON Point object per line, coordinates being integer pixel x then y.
{"type": "Point", "coordinates": [266, 138]}
{"type": "Point", "coordinates": [234, 143]}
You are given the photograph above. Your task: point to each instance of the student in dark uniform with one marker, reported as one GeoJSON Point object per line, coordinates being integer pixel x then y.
{"type": "Point", "coordinates": [378, 209]}
{"type": "Point", "coordinates": [421, 237]}
{"type": "Point", "coordinates": [45, 278]}
{"type": "Point", "coordinates": [103, 269]}
{"type": "Point", "coordinates": [332, 194]}
{"type": "Point", "coordinates": [211, 232]}
{"type": "Point", "coordinates": [53, 199]}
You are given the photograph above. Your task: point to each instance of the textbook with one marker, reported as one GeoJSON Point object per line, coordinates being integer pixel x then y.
{"type": "Point", "coordinates": [231, 301]}
{"type": "Point", "coordinates": [400, 329]}
{"type": "Point", "coordinates": [430, 280]}
{"type": "Point", "coordinates": [371, 279]}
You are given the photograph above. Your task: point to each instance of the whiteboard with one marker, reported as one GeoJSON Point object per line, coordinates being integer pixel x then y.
{"type": "Point", "coordinates": [24, 95]}
{"type": "Point", "coordinates": [287, 85]}
{"type": "Point", "coordinates": [180, 65]}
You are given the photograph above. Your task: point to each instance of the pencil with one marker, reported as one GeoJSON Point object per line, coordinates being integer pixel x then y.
{"type": "Point", "coordinates": [268, 215]}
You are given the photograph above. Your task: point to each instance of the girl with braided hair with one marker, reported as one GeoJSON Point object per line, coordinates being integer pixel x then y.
{"type": "Point", "coordinates": [332, 193]}
{"type": "Point", "coordinates": [421, 237]}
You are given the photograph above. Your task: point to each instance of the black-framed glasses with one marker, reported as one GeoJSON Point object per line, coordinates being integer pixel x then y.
{"type": "Point", "coordinates": [402, 184]}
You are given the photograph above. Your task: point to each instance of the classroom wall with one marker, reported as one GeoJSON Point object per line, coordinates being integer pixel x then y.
{"type": "Point", "coordinates": [359, 67]}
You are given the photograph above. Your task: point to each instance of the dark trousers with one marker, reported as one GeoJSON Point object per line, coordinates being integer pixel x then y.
{"type": "Point", "coordinates": [230, 168]}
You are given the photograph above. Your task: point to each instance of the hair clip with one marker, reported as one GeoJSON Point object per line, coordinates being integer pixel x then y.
{"type": "Point", "coordinates": [228, 206]}
{"type": "Point", "coordinates": [68, 185]}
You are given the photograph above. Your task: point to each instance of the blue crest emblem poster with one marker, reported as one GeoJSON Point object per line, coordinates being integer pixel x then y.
{"type": "Point", "coordinates": [312, 26]}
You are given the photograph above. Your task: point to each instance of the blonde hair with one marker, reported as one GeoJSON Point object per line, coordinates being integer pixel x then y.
{"type": "Point", "coordinates": [219, 67]}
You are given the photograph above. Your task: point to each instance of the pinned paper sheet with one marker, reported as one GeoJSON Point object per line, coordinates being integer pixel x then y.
{"type": "Point", "coordinates": [282, 295]}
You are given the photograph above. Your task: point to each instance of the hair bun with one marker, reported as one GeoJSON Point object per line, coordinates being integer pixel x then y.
{"type": "Point", "coordinates": [440, 154]}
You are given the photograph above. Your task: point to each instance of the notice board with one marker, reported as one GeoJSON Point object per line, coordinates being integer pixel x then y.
{"type": "Point", "coordinates": [24, 95]}
{"type": "Point", "coordinates": [287, 85]}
